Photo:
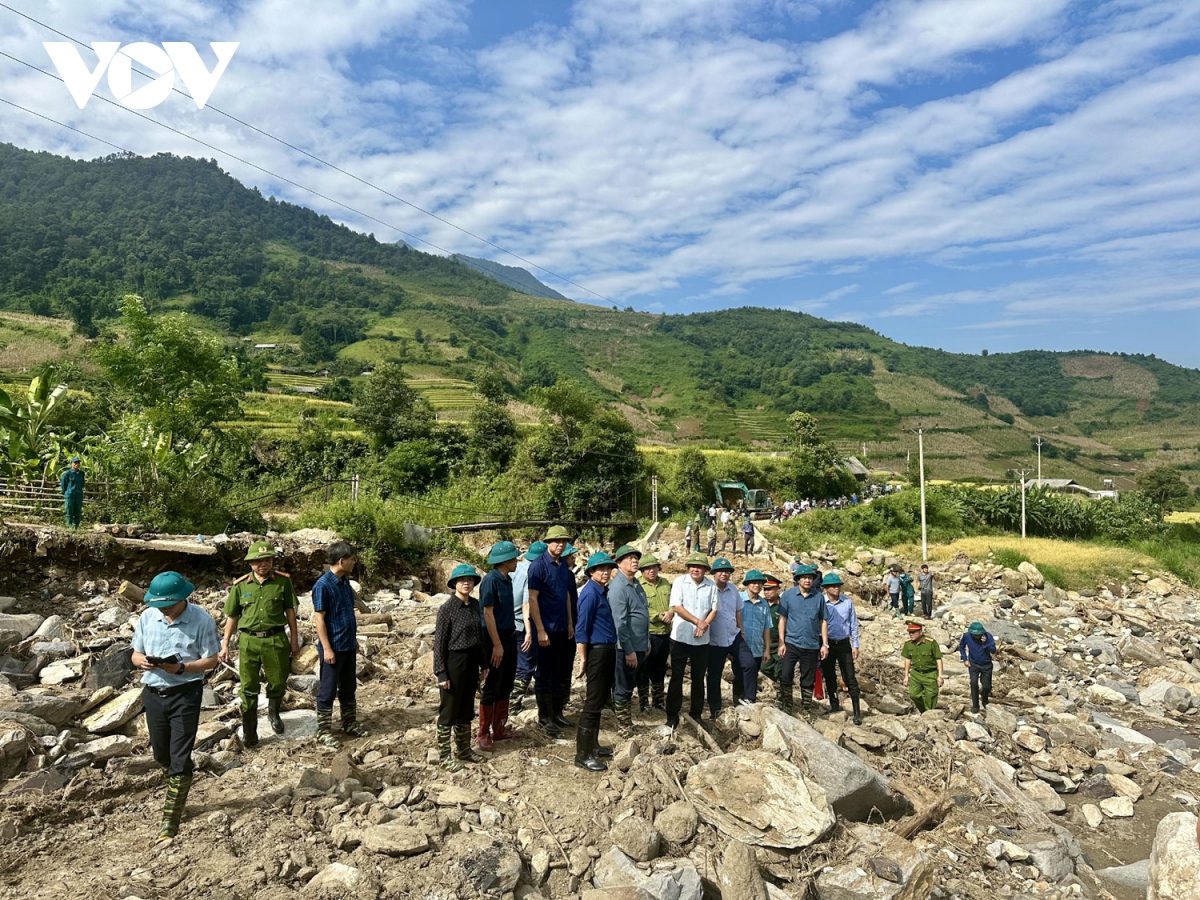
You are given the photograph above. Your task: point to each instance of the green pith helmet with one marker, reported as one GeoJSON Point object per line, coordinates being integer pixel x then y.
{"type": "Point", "coordinates": [557, 533]}
{"type": "Point", "coordinates": [536, 549]}
{"type": "Point", "coordinates": [832, 578]}
{"type": "Point", "coordinates": [597, 559]}
{"type": "Point", "coordinates": [721, 564]}
{"type": "Point", "coordinates": [260, 550]}
{"type": "Point", "coordinates": [697, 559]}
{"type": "Point", "coordinates": [977, 629]}
{"type": "Point", "coordinates": [463, 571]}
{"type": "Point", "coordinates": [167, 589]}
{"type": "Point", "coordinates": [625, 550]}
{"type": "Point", "coordinates": [569, 550]}
{"type": "Point", "coordinates": [754, 575]}
{"type": "Point", "coordinates": [806, 569]}
{"type": "Point", "coordinates": [648, 560]}
{"type": "Point", "coordinates": [502, 552]}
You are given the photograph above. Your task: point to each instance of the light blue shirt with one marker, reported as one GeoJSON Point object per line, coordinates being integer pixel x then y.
{"type": "Point", "coordinates": [698, 599]}
{"type": "Point", "coordinates": [724, 630]}
{"type": "Point", "coordinates": [756, 618]}
{"type": "Point", "coordinates": [842, 619]}
{"type": "Point", "coordinates": [191, 637]}
{"type": "Point", "coordinates": [520, 581]}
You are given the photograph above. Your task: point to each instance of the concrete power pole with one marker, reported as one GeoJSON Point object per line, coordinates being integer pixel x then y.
{"type": "Point", "coordinates": [1023, 474]}
{"type": "Point", "coordinates": [654, 495]}
{"type": "Point", "coordinates": [1039, 446]}
{"type": "Point", "coordinates": [921, 468]}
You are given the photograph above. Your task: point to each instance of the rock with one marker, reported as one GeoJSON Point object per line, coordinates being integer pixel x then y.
{"type": "Point", "coordinates": [18, 627]}
{"type": "Point", "coordinates": [1158, 586]}
{"type": "Point", "coordinates": [677, 823]}
{"type": "Point", "coordinates": [316, 780]}
{"type": "Point", "coordinates": [1053, 596]}
{"type": "Point", "coordinates": [34, 725]}
{"type": "Point", "coordinates": [1027, 736]}
{"type": "Point", "coordinates": [1092, 815]}
{"type": "Point", "coordinates": [1097, 787]}
{"type": "Point", "coordinates": [1032, 575]}
{"type": "Point", "coordinates": [63, 671]}
{"type": "Point", "coordinates": [738, 874]}
{"type": "Point", "coordinates": [636, 838]}
{"type": "Point", "coordinates": [51, 650]}
{"type": "Point", "coordinates": [1004, 630]}
{"type": "Point", "coordinates": [305, 662]}
{"type": "Point", "coordinates": [760, 799]}
{"type": "Point", "coordinates": [539, 864]}
{"type": "Point", "coordinates": [675, 879]}
{"type": "Point", "coordinates": [488, 865]}
{"type": "Point", "coordinates": [1174, 872]}
{"type": "Point", "coordinates": [14, 750]}
{"type": "Point", "coordinates": [1171, 697]}
{"type": "Point", "coordinates": [1016, 584]}
{"type": "Point", "coordinates": [1135, 875]}
{"type": "Point", "coordinates": [1044, 796]}
{"type": "Point", "coordinates": [393, 797]}
{"type": "Point", "coordinates": [1142, 650]}
{"type": "Point", "coordinates": [855, 878]}
{"type": "Point", "coordinates": [304, 684]}
{"type": "Point", "coordinates": [111, 669]}
{"type": "Point", "coordinates": [852, 787]}
{"type": "Point", "coordinates": [392, 839]}
{"type": "Point", "coordinates": [55, 710]}
{"type": "Point", "coordinates": [450, 795]}
{"type": "Point", "coordinates": [579, 861]}
{"type": "Point", "coordinates": [335, 880]}
{"type": "Point", "coordinates": [1101, 694]}
{"type": "Point", "coordinates": [1117, 807]}
{"type": "Point", "coordinates": [1102, 651]}
{"type": "Point", "coordinates": [1124, 787]}
{"type": "Point", "coordinates": [1000, 720]}
{"type": "Point", "coordinates": [107, 747]}
{"type": "Point", "coordinates": [116, 712]}
{"type": "Point", "coordinates": [624, 757]}
{"type": "Point", "coordinates": [51, 629]}
{"type": "Point", "coordinates": [1007, 851]}
{"type": "Point", "coordinates": [112, 617]}
{"type": "Point", "coordinates": [1053, 859]}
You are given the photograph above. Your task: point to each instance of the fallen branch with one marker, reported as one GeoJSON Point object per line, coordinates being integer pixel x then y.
{"type": "Point", "coordinates": [705, 737]}
{"type": "Point", "coordinates": [930, 817]}
{"type": "Point", "coordinates": [552, 835]}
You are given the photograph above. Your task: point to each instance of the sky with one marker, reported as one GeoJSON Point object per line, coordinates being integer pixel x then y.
{"type": "Point", "coordinates": [965, 174]}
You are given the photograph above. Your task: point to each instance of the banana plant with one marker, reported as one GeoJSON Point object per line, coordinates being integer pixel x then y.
{"type": "Point", "coordinates": [28, 441]}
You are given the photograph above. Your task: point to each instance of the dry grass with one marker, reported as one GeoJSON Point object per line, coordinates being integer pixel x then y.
{"type": "Point", "coordinates": [1077, 564]}
{"type": "Point", "coordinates": [1192, 516]}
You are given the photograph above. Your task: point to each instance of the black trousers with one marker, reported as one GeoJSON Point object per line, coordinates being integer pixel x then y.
{"type": "Point", "coordinates": [681, 656]}
{"type": "Point", "coordinates": [458, 703]}
{"type": "Point", "coordinates": [841, 654]}
{"type": "Point", "coordinates": [716, 668]}
{"type": "Point", "coordinates": [499, 682]}
{"type": "Point", "coordinates": [654, 669]}
{"type": "Point", "coordinates": [554, 666]}
{"type": "Point", "coordinates": [927, 605]}
{"type": "Point", "coordinates": [981, 682]}
{"type": "Point", "coordinates": [807, 661]}
{"type": "Point", "coordinates": [172, 722]}
{"type": "Point", "coordinates": [337, 680]}
{"type": "Point", "coordinates": [600, 672]}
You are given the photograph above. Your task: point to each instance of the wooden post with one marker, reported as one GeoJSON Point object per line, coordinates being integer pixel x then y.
{"type": "Point", "coordinates": [328, 488]}
{"type": "Point", "coordinates": [354, 488]}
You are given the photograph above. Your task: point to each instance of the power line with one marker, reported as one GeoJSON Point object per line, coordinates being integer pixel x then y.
{"type": "Point", "coordinates": [330, 165]}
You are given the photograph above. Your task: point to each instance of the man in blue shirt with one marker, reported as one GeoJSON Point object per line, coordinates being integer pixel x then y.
{"type": "Point", "coordinates": [499, 645]}
{"type": "Point", "coordinates": [337, 644]}
{"type": "Point", "coordinates": [725, 637]}
{"type": "Point", "coordinates": [552, 601]}
{"type": "Point", "coordinates": [842, 623]}
{"type": "Point", "coordinates": [803, 639]}
{"type": "Point", "coordinates": [756, 630]}
{"type": "Point", "coordinates": [526, 636]}
{"type": "Point", "coordinates": [596, 643]}
{"type": "Point", "coordinates": [174, 644]}
{"type": "Point", "coordinates": [631, 615]}
{"type": "Point", "coordinates": [976, 649]}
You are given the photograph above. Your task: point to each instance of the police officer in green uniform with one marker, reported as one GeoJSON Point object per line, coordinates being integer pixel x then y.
{"type": "Point", "coordinates": [922, 668]}
{"type": "Point", "coordinates": [259, 605]}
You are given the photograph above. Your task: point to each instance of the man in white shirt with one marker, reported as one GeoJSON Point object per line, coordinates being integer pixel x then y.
{"type": "Point", "coordinates": [694, 602]}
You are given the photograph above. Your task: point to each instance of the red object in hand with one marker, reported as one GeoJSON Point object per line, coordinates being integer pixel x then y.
{"type": "Point", "coordinates": [819, 687]}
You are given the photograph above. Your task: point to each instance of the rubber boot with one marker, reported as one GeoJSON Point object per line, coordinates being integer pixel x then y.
{"type": "Point", "coordinates": [178, 787]}
{"type": "Point", "coordinates": [325, 729]}
{"type": "Point", "coordinates": [835, 705]}
{"type": "Point", "coordinates": [585, 745]}
{"type": "Point", "coordinates": [783, 698]}
{"type": "Point", "coordinates": [350, 724]}
{"type": "Point", "coordinates": [560, 703]}
{"type": "Point", "coordinates": [806, 706]}
{"type": "Point", "coordinates": [983, 699]}
{"type": "Point", "coordinates": [599, 750]}
{"type": "Point", "coordinates": [520, 689]}
{"type": "Point", "coordinates": [854, 705]}
{"type": "Point", "coordinates": [250, 728]}
{"type": "Point", "coordinates": [273, 704]}
{"type": "Point", "coordinates": [445, 750]}
{"type": "Point", "coordinates": [658, 696]}
{"type": "Point", "coordinates": [643, 698]}
{"type": "Point", "coordinates": [624, 719]}
{"type": "Point", "coordinates": [462, 745]}
{"type": "Point", "coordinates": [484, 738]}
{"type": "Point", "coordinates": [500, 729]}
{"type": "Point", "coordinates": [545, 707]}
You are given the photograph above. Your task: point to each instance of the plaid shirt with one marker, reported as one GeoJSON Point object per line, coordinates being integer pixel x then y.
{"type": "Point", "coordinates": [334, 597]}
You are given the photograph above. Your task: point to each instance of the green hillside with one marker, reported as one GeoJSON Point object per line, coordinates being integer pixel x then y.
{"type": "Point", "coordinates": [77, 235]}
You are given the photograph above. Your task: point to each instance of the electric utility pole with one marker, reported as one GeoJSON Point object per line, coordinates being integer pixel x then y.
{"type": "Point", "coordinates": [1023, 473]}
{"type": "Point", "coordinates": [1039, 446]}
{"type": "Point", "coordinates": [921, 468]}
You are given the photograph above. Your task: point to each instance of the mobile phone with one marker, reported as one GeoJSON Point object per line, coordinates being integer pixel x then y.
{"type": "Point", "coordinates": [173, 659]}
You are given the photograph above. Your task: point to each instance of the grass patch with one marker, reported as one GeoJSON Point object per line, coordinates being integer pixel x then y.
{"type": "Point", "coordinates": [1072, 565]}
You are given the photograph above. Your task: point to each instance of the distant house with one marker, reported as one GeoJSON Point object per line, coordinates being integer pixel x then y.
{"type": "Point", "coordinates": [852, 465]}
{"type": "Point", "coordinates": [264, 346]}
{"type": "Point", "coordinates": [1064, 486]}
{"type": "Point", "coordinates": [305, 388]}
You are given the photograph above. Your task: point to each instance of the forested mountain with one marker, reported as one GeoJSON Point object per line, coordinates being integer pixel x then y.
{"type": "Point", "coordinates": [77, 235]}
{"type": "Point", "coordinates": [511, 276]}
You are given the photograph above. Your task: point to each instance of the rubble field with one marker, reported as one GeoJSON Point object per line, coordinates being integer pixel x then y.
{"type": "Point", "coordinates": [1082, 779]}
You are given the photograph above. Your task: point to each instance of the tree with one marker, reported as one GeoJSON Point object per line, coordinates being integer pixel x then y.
{"type": "Point", "coordinates": [182, 379]}
{"type": "Point", "coordinates": [491, 385]}
{"type": "Point", "coordinates": [493, 439]}
{"type": "Point", "coordinates": [690, 479]}
{"type": "Point", "coordinates": [815, 468]}
{"type": "Point", "coordinates": [389, 411]}
{"type": "Point", "coordinates": [1164, 485]}
{"type": "Point", "coordinates": [314, 345]}
{"type": "Point", "coordinates": [341, 390]}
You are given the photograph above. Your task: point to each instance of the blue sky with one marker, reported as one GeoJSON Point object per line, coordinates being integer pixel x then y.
{"type": "Point", "coordinates": [968, 174]}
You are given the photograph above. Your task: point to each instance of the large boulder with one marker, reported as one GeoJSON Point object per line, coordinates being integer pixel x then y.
{"type": "Point", "coordinates": [15, 628]}
{"type": "Point", "coordinates": [14, 750]}
{"type": "Point", "coordinates": [738, 874]}
{"type": "Point", "coordinates": [1031, 572]}
{"type": "Point", "coordinates": [852, 787]}
{"type": "Point", "coordinates": [760, 799]}
{"type": "Point", "coordinates": [115, 713]}
{"type": "Point", "coordinates": [637, 838]}
{"type": "Point", "coordinates": [1148, 652]}
{"type": "Point", "coordinates": [1016, 584]}
{"type": "Point", "coordinates": [676, 879]}
{"type": "Point", "coordinates": [883, 866]}
{"type": "Point", "coordinates": [1175, 860]}
{"type": "Point", "coordinates": [1003, 630]}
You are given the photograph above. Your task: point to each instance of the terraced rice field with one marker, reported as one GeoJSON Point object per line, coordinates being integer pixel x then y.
{"type": "Point", "coordinates": [446, 393]}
